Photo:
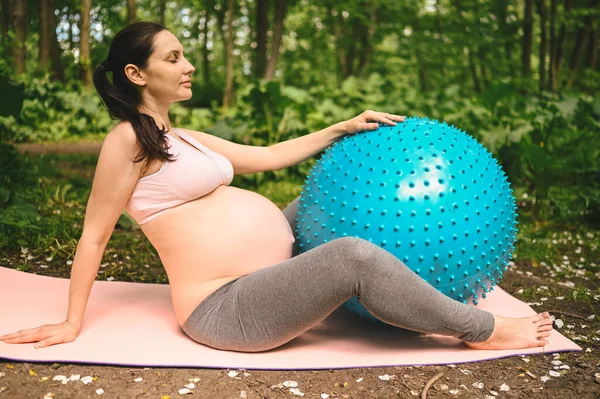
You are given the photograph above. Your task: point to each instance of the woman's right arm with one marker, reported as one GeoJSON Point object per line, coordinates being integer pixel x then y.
{"type": "Point", "coordinates": [114, 179]}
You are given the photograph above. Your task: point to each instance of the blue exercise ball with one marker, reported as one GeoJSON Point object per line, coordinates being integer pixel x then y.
{"type": "Point", "coordinates": [423, 190]}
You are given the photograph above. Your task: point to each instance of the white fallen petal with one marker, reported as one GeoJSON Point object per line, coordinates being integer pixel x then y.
{"type": "Point", "coordinates": [183, 391]}
{"type": "Point", "coordinates": [588, 350]}
{"type": "Point", "coordinates": [556, 362]}
{"type": "Point", "coordinates": [597, 375]}
{"type": "Point", "coordinates": [139, 379]}
{"type": "Point", "coordinates": [232, 373]}
{"type": "Point", "coordinates": [526, 359]}
{"type": "Point", "coordinates": [296, 391]}
{"type": "Point", "coordinates": [544, 378]}
{"type": "Point", "coordinates": [414, 393]}
{"type": "Point", "coordinates": [554, 373]}
{"type": "Point", "coordinates": [504, 388]}
{"type": "Point", "coordinates": [591, 317]}
{"type": "Point", "coordinates": [465, 371]}
{"type": "Point", "coordinates": [191, 385]}
{"type": "Point", "coordinates": [99, 391]}
{"type": "Point", "coordinates": [494, 393]}
{"type": "Point", "coordinates": [565, 367]}
{"type": "Point", "coordinates": [324, 396]}
{"type": "Point", "coordinates": [478, 385]}
{"type": "Point", "coordinates": [290, 384]}
{"type": "Point", "coordinates": [384, 377]}
{"type": "Point", "coordinates": [453, 391]}
{"type": "Point", "coordinates": [559, 323]}
{"type": "Point", "coordinates": [196, 379]}
{"type": "Point", "coordinates": [360, 379]}
{"type": "Point", "coordinates": [87, 379]}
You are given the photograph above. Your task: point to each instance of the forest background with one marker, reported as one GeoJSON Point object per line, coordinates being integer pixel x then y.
{"type": "Point", "coordinates": [523, 77]}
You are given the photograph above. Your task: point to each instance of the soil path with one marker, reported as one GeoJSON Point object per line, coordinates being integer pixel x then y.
{"type": "Point", "coordinates": [84, 147]}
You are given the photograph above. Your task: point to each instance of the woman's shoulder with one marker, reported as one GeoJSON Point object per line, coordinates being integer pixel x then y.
{"type": "Point", "coordinates": [124, 132]}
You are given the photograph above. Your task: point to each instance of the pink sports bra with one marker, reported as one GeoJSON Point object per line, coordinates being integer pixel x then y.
{"type": "Point", "coordinates": [191, 175]}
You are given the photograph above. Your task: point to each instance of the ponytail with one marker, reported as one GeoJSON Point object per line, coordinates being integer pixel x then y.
{"type": "Point", "coordinates": [132, 45]}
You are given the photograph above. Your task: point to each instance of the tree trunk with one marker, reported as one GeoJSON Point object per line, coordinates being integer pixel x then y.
{"type": "Point", "coordinates": [501, 7]}
{"type": "Point", "coordinates": [221, 22]}
{"type": "Point", "coordinates": [55, 52]}
{"type": "Point", "coordinates": [364, 38]}
{"type": "Point", "coordinates": [44, 39]}
{"type": "Point", "coordinates": [560, 49]}
{"type": "Point", "coordinates": [131, 11]}
{"type": "Point", "coordinates": [280, 11]}
{"type": "Point", "coordinates": [85, 64]}
{"type": "Point", "coordinates": [476, 83]}
{"type": "Point", "coordinates": [543, 42]}
{"type": "Point", "coordinates": [472, 68]}
{"type": "Point", "coordinates": [228, 98]}
{"type": "Point", "coordinates": [70, 31]}
{"type": "Point", "coordinates": [20, 23]}
{"type": "Point", "coordinates": [438, 28]}
{"type": "Point", "coordinates": [551, 75]}
{"type": "Point", "coordinates": [593, 51]}
{"type": "Point", "coordinates": [5, 21]}
{"type": "Point", "coordinates": [208, 5]}
{"type": "Point", "coordinates": [260, 55]}
{"type": "Point", "coordinates": [162, 8]}
{"type": "Point", "coordinates": [527, 39]}
{"type": "Point", "coordinates": [480, 51]}
{"type": "Point", "coordinates": [337, 34]}
{"type": "Point", "coordinates": [583, 36]}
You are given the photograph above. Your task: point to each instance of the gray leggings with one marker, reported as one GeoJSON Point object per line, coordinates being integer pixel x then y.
{"type": "Point", "coordinates": [272, 306]}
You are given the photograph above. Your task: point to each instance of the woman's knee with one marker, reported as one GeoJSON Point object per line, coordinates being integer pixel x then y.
{"type": "Point", "coordinates": [356, 249]}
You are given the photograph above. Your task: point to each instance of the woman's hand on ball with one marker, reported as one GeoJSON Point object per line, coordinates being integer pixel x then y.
{"type": "Point", "coordinates": [369, 120]}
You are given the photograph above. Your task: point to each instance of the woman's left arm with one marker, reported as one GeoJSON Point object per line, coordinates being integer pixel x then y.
{"type": "Point", "coordinates": [299, 149]}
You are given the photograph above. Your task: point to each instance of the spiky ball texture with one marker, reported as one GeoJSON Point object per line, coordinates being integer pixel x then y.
{"type": "Point", "coordinates": [426, 192]}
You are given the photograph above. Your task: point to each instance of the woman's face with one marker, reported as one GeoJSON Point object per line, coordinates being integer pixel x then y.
{"type": "Point", "coordinates": [166, 72]}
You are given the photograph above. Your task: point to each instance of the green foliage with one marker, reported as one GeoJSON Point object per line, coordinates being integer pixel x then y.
{"type": "Point", "coordinates": [53, 112]}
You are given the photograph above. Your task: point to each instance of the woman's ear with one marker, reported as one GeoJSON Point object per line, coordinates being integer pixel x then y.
{"type": "Point", "coordinates": [135, 75]}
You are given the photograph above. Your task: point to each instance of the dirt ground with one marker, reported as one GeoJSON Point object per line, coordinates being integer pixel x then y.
{"type": "Point", "coordinates": [564, 375]}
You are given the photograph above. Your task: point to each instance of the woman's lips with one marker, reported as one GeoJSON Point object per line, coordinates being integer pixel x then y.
{"type": "Point", "coordinates": [187, 84]}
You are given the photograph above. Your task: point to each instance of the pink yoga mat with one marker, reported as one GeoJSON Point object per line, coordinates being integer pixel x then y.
{"type": "Point", "coordinates": [134, 324]}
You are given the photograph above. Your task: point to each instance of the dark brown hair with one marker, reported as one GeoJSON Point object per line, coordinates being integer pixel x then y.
{"type": "Point", "coordinates": [131, 45]}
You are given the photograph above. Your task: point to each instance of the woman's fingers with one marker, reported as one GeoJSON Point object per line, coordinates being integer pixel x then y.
{"type": "Point", "coordinates": [23, 336]}
{"type": "Point", "coordinates": [397, 118]}
{"type": "Point", "coordinates": [383, 117]}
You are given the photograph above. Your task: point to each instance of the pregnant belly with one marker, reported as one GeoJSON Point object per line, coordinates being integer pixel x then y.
{"type": "Point", "coordinates": [207, 242]}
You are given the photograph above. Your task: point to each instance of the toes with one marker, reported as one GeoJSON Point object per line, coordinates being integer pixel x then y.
{"type": "Point", "coordinates": [541, 342]}
{"type": "Point", "coordinates": [543, 335]}
{"type": "Point", "coordinates": [545, 328]}
{"type": "Point", "coordinates": [543, 322]}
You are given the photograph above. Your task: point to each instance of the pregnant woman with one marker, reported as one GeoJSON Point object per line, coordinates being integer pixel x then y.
{"type": "Point", "coordinates": [237, 281]}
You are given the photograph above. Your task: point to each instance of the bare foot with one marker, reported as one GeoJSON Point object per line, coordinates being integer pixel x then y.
{"type": "Point", "coordinates": [517, 333]}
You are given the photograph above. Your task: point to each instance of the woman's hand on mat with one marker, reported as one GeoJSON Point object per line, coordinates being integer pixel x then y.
{"type": "Point", "coordinates": [46, 335]}
{"type": "Point", "coordinates": [369, 120]}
